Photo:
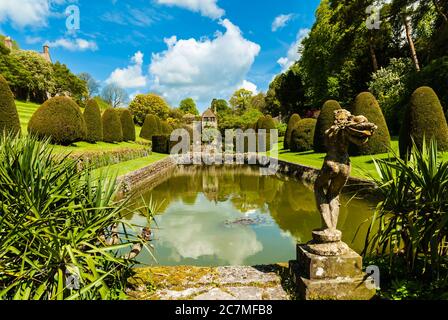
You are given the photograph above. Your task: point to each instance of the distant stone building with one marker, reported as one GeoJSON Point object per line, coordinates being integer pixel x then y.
{"type": "Point", "coordinates": [209, 119]}
{"type": "Point", "coordinates": [44, 54]}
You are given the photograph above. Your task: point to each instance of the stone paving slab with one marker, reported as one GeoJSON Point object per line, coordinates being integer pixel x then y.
{"type": "Point", "coordinates": [221, 283]}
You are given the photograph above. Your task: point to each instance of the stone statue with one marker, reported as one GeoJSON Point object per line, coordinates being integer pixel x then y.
{"type": "Point", "coordinates": [333, 177]}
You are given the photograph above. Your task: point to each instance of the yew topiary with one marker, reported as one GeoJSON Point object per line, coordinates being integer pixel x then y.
{"type": "Point", "coordinates": [94, 124]}
{"type": "Point", "coordinates": [151, 127]}
{"type": "Point", "coordinates": [9, 118]}
{"type": "Point", "coordinates": [302, 137]}
{"type": "Point", "coordinates": [424, 118]}
{"type": "Point", "coordinates": [59, 119]}
{"type": "Point", "coordinates": [127, 125]}
{"type": "Point", "coordinates": [112, 130]}
{"type": "Point", "coordinates": [366, 105]}
{"type": "Point", "coordinates": [292, 123]}
{"type": "Point", "coordinates": [324, 122]}
{"type": "Point", "coordinates": [161, 144]}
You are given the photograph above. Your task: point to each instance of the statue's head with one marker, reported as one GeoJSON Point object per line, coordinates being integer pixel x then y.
{"type": "Point", "coordinates": [356, 129]}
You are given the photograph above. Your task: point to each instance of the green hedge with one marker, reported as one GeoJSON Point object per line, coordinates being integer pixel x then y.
{"type": "Point", "coordinates": [424, 118]}
{"type": "Point", "coordinates": [59, 119]}
{"type": "Point", "coordinates": [9, 118]}
{"type": "Point", "coordinates": [366, 105]}
{"type": "Point", "coordinates": [324, 122]}
{"type": "Point", "coordinates": [151, 127]}
{"type": "Point", "coordinates": [302, 138]}
{"type": "Point", "coordinates": [161, 144]}
{"type": "Point", "coordinates": [94, 124]}
{"type": "Point", "coordinates": [292, 123]}
{"type": "Point", "coordinates": [112, 130]}
{"type": "Point", "coordinates": [127, 125]}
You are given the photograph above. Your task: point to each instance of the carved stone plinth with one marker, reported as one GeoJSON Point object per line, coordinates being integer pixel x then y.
{"type": "Point", "coordinates": [335, 277]}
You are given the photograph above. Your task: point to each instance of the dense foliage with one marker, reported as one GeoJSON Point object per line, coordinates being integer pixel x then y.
{"type": "Point", "coordinates": [410, 225]}
{"type": "Point", "coordinates": [94, 124]}
{"type": "Point", "coordinates": [33, 78]}
{"type": "Point", "coordinates": [302, 137]}
{"type": "Point", "coordinates": [346, 53]}
{"type": "Point", "coordinates": [61, 227]}
{"type": "Point", "coordinates": [112, 130]}
{"type": "Point", "coordinates": [146, 104]}
{"type": "Point", "coordinates": [9, 118]}
{"type": "Point", "coordinates": [424, 118]}
{"type": "Point", "coordinates": [324, 122]}
{"type": "Point", "coordinates": [127, 125]}
{"type": "Point", "coordinates": [60, 119]}
{"type": "Point", "coordinates": [286, 94]}
{"type": "Point", "coordinates": [366, 105]}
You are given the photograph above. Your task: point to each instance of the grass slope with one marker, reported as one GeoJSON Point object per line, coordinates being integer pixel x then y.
{"type": "Point", "coordinates": [362, 166]}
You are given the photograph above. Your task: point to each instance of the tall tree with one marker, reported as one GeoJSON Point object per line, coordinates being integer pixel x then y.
{"type": "Point", "coordinates": [188, 106]}
{"type": "Point", "coordinates": [114, 95]}
{"type": "Point", "coordinates": [240, 100]}
{"type": "Point", "coordinates": [93, 86]}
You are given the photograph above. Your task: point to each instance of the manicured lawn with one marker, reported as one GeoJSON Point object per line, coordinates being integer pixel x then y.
{"type": "Point", "coordinates": [123, 168]}
{"type": "Point", "coordinates": [26, 110]}
{"type": "Point", "coordinates": [363, 166]}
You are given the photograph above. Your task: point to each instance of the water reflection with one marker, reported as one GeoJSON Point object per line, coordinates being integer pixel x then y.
{"type": "Point", "coordinates": [230, 215]}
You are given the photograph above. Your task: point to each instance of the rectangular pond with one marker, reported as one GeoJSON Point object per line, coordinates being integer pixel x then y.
{"type": "Point", "coordinates": [230, 215]}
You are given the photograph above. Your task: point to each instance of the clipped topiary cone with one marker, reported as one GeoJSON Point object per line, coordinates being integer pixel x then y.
{"type": "Point", "coordinates": [151, 127]}
{"type": "Point", "coordinates": [302, 137]}
{"type": "Point", "coordinates": [112, 131]}
{"type": "Point", "coordinates": [292, 123]}
{"type": "Point", "coordinates": [324, 122]}
{"type": "Point", "coordinates": [9, 118]}
{"type": "Point", "coordinates": [366, 105]}
{"type": "Point", "coordinates": [127, 124]}
{"type": "Point", "coordinates": [60, 119]}
{"type": "Point", "coordinates": [94, 124]}
{"type": "Point", "coordinates": [424, 118]}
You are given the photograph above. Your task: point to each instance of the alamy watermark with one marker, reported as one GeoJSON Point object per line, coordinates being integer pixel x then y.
{"type": "Point", "coordinates": [373, 21]}
{"type": "Point", "coordinates": [72, 277]}
{"type": "Point", "coordinates": [373, 277]}
{"type": "Point", "coordinates": [73, 21]}
{"type": "Point", "coordinates": [206, 145]}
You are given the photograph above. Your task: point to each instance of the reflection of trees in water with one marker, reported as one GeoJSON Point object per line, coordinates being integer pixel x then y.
{"type": "Point", "coordinates": [291, 204]}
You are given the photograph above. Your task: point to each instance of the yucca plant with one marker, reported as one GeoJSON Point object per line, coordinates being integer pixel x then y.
{"type": "Point", "coordinates": [411, 223]}
{"type": "Point", "coordinates": [59, 224]}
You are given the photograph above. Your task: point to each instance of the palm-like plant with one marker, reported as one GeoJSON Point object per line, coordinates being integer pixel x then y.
{"type": "Point", "coordinates": [412, 220]}
{"type": "Point", "coordinates": [57, 222]}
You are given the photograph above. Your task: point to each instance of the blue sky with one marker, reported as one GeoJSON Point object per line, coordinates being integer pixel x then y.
{"type": "Point", "coordinates": [177, 48]}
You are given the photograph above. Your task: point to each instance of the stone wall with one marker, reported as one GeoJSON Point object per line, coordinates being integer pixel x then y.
{"type": "Point", "coordinates": [149, 176]}
{"type": "Point", "coordinates": [309, 176]}
{"type": "Point", "coordinates": [154, 174]}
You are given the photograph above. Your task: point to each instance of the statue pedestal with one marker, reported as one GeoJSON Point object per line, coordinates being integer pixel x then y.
{"type": "Point", "coordinates": [330, 277]}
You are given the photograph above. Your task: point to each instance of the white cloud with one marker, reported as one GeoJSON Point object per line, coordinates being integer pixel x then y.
{"type": "Point", "coordinates": [73, 44]}
{"type": "Point", "coordinates": [33, 40]}
{"type": "Point", "coordinates": [293, 52]}
{"type": "Point", "coordinates": [204, 68]}
{"type": "Point", "coordinates": [207, 8]}
{"type": "Point", "coordinates": [132, 76]}
{"type": "Point", "coordinates": [249, 86]}
{"type": "Point", "coordinates": [281, 21]}
{"type": "Point", "coordinates": [25, 12]}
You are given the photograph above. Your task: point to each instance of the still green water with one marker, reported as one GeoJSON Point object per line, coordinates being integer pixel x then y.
{"type": "Point", "coordinates": [230, 215]}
